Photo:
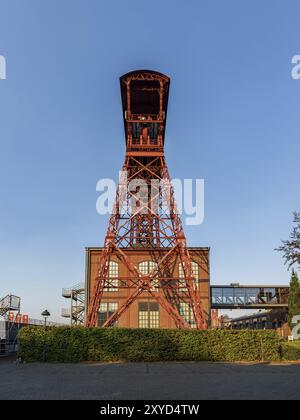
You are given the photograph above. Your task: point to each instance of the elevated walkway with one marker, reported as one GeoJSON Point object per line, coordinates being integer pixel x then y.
{"type": "Point", "coordinates": [237, 296]}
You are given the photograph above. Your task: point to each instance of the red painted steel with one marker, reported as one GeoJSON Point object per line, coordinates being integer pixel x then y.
{"type": "Point", "coordinates": [147, 218]}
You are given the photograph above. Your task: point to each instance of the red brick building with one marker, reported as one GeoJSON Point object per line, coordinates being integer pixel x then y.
{"type": "Point", "coordinates": [145, 312]}
{"type": "Point", "coordinates": [266, 320]}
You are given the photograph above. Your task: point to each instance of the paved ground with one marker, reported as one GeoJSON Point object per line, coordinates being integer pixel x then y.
{"type": "Point", "coordinates": [142, 381]}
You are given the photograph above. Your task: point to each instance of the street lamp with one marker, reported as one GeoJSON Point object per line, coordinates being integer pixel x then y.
{"type": "Point", "coordinates": [45, 314]}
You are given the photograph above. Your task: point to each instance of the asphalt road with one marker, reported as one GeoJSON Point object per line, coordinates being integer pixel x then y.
{"type": "Point", "coordinates": [149, 381]}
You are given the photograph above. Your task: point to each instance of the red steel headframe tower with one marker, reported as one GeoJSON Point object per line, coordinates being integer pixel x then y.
{"type": "Point", "coordinates": [145, 213]}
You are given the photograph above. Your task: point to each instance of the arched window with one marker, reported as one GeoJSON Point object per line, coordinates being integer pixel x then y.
{"type": "Point", "coordinates": [195, 270]}
{"type": "Point", "coordinates": [112, 282]}
{"type": "Point", "coordinates": [145, 268]}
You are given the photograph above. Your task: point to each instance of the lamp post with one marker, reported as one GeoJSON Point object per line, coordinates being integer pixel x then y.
{"type": "Point", "coordinates": [45, 314]}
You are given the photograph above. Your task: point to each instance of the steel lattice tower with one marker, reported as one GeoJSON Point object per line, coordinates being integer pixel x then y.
{"type": "Point", "coordinates": [146, 218]}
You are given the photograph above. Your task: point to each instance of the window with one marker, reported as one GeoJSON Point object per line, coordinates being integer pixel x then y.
{"type": "Point", "coordinates": [217, 295]}
{"type": "Point", "coordinates": [145, 268]}
{"type": "Point", "coordinates": [195, 270]}
{"type": "Point", "coordinates": [239, 296]}
{"type": "Point", "coordinates": [106, 310]}
{"type": "Point", "coordinates": [228, 296]}
{"type": "Point", "coordinates": [187, 314]}
{"type": "Point", "coordinates": [182, 283]}
{"type": "Point", "coordinates": [113, 274]}
{"type": "Point", "coordinates": [148, 315]}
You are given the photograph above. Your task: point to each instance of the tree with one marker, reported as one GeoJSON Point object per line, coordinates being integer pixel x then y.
{"type": "Point", "coordinates": [294, 298]}
{"type": "Point", "coordinates": [291, 247]}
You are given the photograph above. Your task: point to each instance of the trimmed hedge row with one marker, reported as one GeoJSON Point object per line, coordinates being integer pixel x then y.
{"type": "Point", "coordinates": [290, 351]}
{"type": "Point", "coordinates": [77, 344]}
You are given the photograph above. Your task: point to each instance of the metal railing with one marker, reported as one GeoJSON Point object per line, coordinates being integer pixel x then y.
{"type": "Point", "coordinates": [67, 292]}
{"type": "Point", "coordinates": [66, 312]}
{"type": "Point", "coordinates": [9, 303]}
{"type": "Point", "coordinates": [9, 333]}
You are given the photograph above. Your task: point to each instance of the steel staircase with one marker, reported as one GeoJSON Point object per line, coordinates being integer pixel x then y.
{"type": "Point", "coordinates": [75, 312]}
{"type": "Point", "coordinates": [9, 303]}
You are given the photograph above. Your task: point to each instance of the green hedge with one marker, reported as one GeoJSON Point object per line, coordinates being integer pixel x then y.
{"type": "Point", "coordinates": [77, 344]}
{"type": "Point", "coordinates": [290, 351]}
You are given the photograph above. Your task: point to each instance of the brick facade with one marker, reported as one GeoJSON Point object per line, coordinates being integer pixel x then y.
{"type": "Point", "coordinates": [144, 311]}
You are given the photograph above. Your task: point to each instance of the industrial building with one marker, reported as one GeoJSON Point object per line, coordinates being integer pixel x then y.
{"type": "Point", "coordinates": [146, 275]}
{"type": "Point", "coordinates": [11, 322]}
{"type": "Point", "coordinates": [145, 312]}
{"type": "Point", "coordinates": [213, 298]}
{"type": "Point", "coordinates": [266, 320]}
{"type": "Point", "coordinates": [145, 259]}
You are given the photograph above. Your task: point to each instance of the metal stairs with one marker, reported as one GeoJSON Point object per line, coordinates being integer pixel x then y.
{"type": "Point", "coordinates": [9, 303]}
{"type": "Point", "coordinates": [75, 312]}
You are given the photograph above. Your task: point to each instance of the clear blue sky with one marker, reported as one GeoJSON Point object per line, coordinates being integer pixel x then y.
{"type": "Point", "coordinates": [233, 120]}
